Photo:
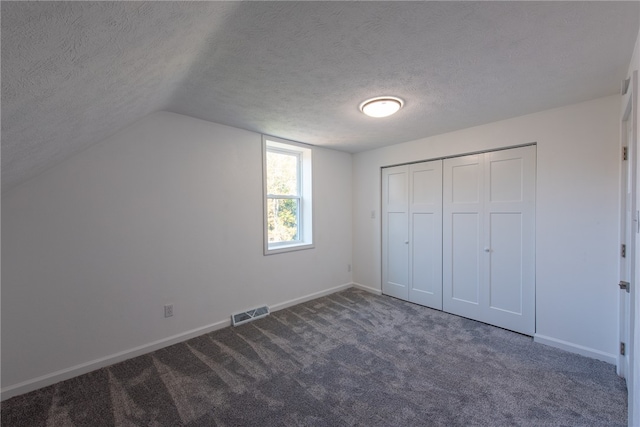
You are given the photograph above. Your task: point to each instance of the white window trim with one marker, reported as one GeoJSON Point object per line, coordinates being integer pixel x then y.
{"type": "Point", "coordinates": [305, 211]}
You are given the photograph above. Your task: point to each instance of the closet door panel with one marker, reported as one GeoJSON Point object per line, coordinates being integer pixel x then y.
{"type": "Point", "coordinates": [509, 235]}
{"type": "Point", "coordinates": [422, 252]}
{"type": "Point", "coordinates": [425, 226]}
{"type": "Point", "coordinates": [463, 270]}
{"type": "Point", "coordinates": [464, 261]}
{"type": "Point", "coordinates": [506, 170]}
{"type": "Point", "coordinates": [397, 254]}
{"type": "Point", "coordinates": [395, 223]}
{"type": "Point", "coordinates": [506, 269]}
{"type": "Point", "coordinates": [465, 186]}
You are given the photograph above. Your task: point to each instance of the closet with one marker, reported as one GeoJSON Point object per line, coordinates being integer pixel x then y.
{"type": "Point", "coordinates": [458, 235]}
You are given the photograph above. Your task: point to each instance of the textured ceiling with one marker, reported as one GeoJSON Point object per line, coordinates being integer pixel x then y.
{"type": "Point", "coordinates": [75, 72]}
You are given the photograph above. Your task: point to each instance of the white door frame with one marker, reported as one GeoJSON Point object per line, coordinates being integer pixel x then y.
{"type": "Point", "coordinates": [628, 226]}
{"type": "Point", "coordinates": [629, 308]}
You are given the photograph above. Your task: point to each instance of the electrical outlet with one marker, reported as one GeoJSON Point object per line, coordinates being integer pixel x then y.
{"type": "Point", "coordinates": [168, 310]}
{"type": "Point", "coordinates": [373, 214]}
{"type": "Point", "coordinates": [348, 268]}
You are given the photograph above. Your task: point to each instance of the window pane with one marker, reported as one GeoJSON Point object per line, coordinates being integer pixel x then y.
{"type": "Point", "coordinates": [282, 173]}
{"type": "Point", "coordinates": [282, 220]}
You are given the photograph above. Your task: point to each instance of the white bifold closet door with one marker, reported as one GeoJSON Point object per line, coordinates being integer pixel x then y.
{"type": "Point", "coordinates": [412, 233]}
{"type": "Point", "coordinates": [488, 243]}
{"type": "Point", "coordinates": [458, 235]}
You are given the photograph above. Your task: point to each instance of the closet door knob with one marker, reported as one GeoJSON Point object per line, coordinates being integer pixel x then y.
{"type": "Point", "coordinates": [487, 249]}
{"type": "Point", "coordinates": [406, 242]}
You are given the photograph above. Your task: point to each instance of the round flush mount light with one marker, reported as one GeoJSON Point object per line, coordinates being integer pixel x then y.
{"type": "Point", "coordinates": [381, 106]}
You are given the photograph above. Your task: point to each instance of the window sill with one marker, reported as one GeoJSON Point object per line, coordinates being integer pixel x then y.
{"type": "Point", "coordinates": [288, 248]}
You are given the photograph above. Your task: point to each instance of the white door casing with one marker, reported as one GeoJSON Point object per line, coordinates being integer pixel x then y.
{"type": "Point", "coordinates": [629, 306]}
{"type": "Point", "coordinates": [628, 225]}
{"type": "Point", "coordinates": [633, 381]}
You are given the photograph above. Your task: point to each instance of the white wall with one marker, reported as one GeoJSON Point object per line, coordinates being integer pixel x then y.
{"type": "Point", "coordinates": [576, 214]}
{"type": "Point", "coordinates": [168, 210]}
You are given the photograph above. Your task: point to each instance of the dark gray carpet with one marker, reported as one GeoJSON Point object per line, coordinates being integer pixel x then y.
{"type": "Point", "coordinates": [351, 358]}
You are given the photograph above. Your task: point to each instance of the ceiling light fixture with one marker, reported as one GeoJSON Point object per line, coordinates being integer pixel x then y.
{"type": "Point", "coordinates": [381, 106]}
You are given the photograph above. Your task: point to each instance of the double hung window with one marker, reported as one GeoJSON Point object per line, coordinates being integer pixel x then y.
{"type": "Point", "coordinates": [287, 196]}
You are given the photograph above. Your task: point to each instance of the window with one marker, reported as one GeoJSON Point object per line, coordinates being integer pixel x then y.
{"type": "Point", "coordinates": [287, 196]}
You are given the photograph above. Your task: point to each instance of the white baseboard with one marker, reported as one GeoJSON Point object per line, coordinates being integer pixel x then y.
{"type": "Point", "coordinates": [575, 348]}
{"type": "Point", "coordinates": [83, 368]}
{"type": "Point", "coordinates": [367, 288]}
{"type": "Point", "coordinates": [309, 297]}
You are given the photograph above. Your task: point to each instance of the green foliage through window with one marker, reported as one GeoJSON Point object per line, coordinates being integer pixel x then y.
{"type": "Point", "coordinates": [282, 221]}
{"type": "Point", "coordinates": [282, 173]}
{"type": "Point", "coordinates": [283, 196]}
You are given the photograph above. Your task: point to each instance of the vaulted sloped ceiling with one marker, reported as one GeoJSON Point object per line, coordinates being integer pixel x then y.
{"type": "Point", "coordinates": [74, 73]}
